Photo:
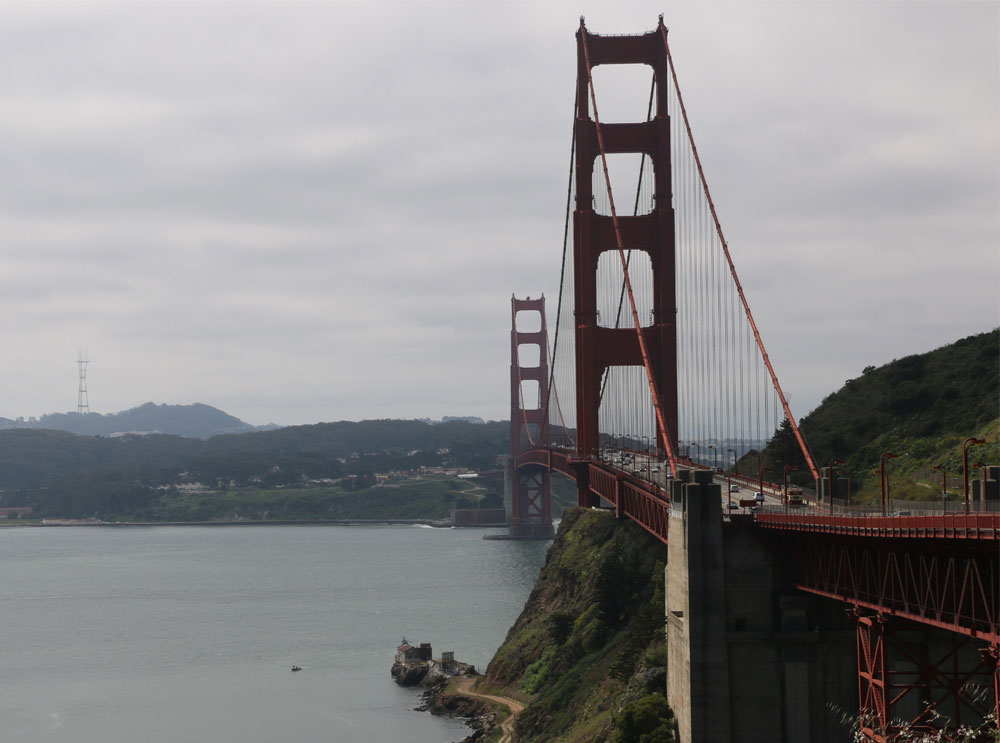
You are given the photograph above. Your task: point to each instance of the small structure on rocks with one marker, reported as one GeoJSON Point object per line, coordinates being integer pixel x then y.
{"type": "Point", "coordinates": [415, 665]}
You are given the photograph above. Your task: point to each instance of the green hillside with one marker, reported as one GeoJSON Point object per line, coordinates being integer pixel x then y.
{"type": "Point", "coordinates": [588, 653]}
{"type": "Point", "coordinates": [285, 473]}
{"type": "Point", "coordinates": [921, 407]}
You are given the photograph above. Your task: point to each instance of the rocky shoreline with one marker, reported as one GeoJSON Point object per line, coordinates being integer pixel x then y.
{"type": "Point", "coordinates": [476, 714]}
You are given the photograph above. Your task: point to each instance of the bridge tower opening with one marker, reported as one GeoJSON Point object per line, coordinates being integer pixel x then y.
{"type": "Point", "coordinates": [529, 494]}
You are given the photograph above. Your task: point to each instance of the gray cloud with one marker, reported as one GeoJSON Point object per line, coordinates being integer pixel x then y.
{"type": "Point", "coordinates": [314, 211]}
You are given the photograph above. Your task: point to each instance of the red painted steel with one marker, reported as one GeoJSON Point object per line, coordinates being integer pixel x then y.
{"type": "Point", "coordinates": [957, 588]}
{"type": "Point", "coordinates": [890, 670]}
{"type": "Point", "coordinates": [653, 347]}
{"type": "Point", "coordinates": [521, 418]}
{"type": "Point", "coordinates": [664, 434]}
{"type": "Point", "coordinates": [872, 703]}
{"type": "Point", "coordinates": [975, 526]}
{"type": "Point", "coordinates": [531, 500]}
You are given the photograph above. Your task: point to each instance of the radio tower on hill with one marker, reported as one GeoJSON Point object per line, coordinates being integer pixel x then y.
{"type": "Point", "coordinates": [82, 403]}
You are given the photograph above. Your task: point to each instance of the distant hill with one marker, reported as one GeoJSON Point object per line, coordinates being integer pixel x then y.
{"type": "Point", "coordinates": [921, 407]}
{"type": "Point", "coordinates": [60, 473]}
{"type": "Point", "coordinates": [197, 421]}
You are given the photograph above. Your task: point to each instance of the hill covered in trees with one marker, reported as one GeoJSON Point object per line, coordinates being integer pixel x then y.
{"type": "Point", "coordinates": [587, 655]}
{"type": "Point", "coordinates": [59, 473]}
{"type": "Point", "coordinates": [197, 421]}
{"type": "Point", "coordinates": [921, 407]}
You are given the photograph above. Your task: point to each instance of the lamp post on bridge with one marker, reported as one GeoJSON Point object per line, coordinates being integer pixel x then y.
{"type": "Point", "coordinates": [982, 478]}
{"type": "Point", "coordinates": [882, 479]}
{"type": "Point", "coordinates": [729, 482]}
{"type": "Point", "coordinates": [760, 474]}
{"type": "Point", "coordinates": [715, 457]}
{"type": "Point", "coordinates": [832, 476]}
{"type": "Point", "coordinates": [788, 468]}
{"type": "Point", "coordinates": [944, 487]}
{"type": "Point", "coordinates": [766, 469]}
{"type": "Point", "coordinates": [971, 441]}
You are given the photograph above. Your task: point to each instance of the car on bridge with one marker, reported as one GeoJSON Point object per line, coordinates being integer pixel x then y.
{"type": "Point", "coordinates": [734, 488]}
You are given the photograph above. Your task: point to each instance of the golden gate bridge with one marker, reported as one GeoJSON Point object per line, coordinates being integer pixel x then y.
{"type": "Point", "coordinates": [655, 371]}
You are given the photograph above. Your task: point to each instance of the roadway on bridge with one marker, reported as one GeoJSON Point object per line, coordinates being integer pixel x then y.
{"type": "Point", "coordinates": [658, 471]}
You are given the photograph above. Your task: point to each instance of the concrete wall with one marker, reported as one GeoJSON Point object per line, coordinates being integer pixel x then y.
{"type": "Point", "coordinates": [749, 658]}
{"type": "Point", "coordinates": [698, 669]}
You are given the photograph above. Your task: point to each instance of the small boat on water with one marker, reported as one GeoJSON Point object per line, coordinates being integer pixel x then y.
{"type": "Point", "coordinates": [296, 668]}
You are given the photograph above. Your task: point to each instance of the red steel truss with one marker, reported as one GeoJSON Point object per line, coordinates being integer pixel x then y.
{"type": "Point", "coordinates": [954, 586]}
{"type": "Point", "coordinates": [945, 682]}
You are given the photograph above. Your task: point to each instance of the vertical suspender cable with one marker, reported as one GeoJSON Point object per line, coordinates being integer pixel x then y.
{"type": "Point", "coordinates": [732, 268]}
{"type": "Point", "coordinates": [562, 274]}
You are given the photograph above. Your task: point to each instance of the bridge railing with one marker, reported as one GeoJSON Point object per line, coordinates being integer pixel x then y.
{"type": "Point", "coordinates": [894, 508]}
{"type": "Point", "coordinates": [978, 526]}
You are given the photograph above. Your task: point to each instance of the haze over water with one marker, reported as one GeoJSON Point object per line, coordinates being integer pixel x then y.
{"type": "Point", "coordinates": [170, 634]}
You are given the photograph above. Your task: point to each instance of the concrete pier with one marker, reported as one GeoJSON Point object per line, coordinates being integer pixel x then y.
{"type": "Point", "coordinates": [749, 659]}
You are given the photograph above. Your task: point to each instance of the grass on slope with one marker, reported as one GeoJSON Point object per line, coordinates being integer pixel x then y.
{"type": "Point", "coordinates": [921, 407]}
{"type": "Point", "coordinates": [587, 651]}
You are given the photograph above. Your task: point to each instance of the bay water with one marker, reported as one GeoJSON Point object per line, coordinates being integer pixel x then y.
{"type": "Point", "coordinates": [172, 634]}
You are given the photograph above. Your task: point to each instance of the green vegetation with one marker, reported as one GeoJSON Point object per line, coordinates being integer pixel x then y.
{"type": "Point", "coordinates": [197, 420]}
{"type": "Point", "coordinates": [414, 499]}
{"type": "Point", "coordinates": [921, 407]}
{"type": "Point", "coordinates": [322, 471]}
{"type": "Point", "coordinates": [588, 650]}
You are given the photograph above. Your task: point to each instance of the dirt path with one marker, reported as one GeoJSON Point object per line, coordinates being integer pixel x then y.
{"type": "Point", "coordinates": [507, 726]}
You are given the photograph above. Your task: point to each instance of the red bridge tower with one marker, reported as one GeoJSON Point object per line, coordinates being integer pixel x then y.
{"type": "Point", "coordinates": [597, 347]}
{"type": "Point", "coordinates": [528, 501]}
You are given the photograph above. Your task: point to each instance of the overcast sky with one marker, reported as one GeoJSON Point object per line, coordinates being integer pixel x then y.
{"type": "Point", "coordinates": [315, 211]}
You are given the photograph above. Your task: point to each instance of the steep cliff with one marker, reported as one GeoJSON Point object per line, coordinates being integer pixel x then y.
{"type": "Point", "coordinates": [587, 654]}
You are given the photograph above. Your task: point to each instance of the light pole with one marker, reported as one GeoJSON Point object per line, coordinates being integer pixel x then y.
{"type": "Point", "coordinates": [882, 481]}
{"type": "Point", "coordinates": [760, 474]}
{"type": "Point", "coordinates": [982, 479]}
{"type": "Point", "coordinates": [729, 481]}
{"type": "Point", "coordinates": [715, 457]}
{"type": "Point", "coordinates": [944, 487]}
{"type": "Point", "coordinates": [788, 468]}
{"type": "Point", "coordinates": [832, 478]}
{"type": "Point", "coordinates": [971, 441]}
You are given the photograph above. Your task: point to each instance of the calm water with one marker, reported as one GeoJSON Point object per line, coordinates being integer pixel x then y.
{"type": "Point", "coordinates": [177, 634]}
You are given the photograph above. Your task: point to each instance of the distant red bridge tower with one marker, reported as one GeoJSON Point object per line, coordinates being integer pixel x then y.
{"type": "Point", "coordinates": [527, 497]}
